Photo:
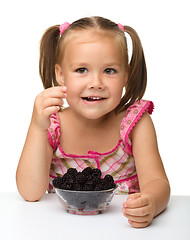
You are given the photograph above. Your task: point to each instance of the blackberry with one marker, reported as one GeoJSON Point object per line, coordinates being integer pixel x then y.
{"type": "Point", "coordinates": [109, 185]}
{"type": "Point", "coordinates": [67, 176]}
{"type": "Point", "coordinates": [108, 178]}
{"type": "Point", "coordinates": [96, 173]}
{"type": "Point", "coordinates": [72, 171]}
{"type": "Point", "coordinates": [87, 180]}
{"type": "Point", "coordinates": [68, 185]}
{"type": "Point", "coordinates": [77, 187]}
{"type": "Point", "coordinates": [99, 187]}
{"type": "Point", "coordinates": [88, 187]}
{"type": "Point", "coordinates": [57, 182]}
{"type": "Point", "coordinates": [98, 180]}
{"type": "Point", "coordinates": [90, 182]}
{"type": "Point", "coordinates": [80, 177]}
{"type": "Point", "coordinates": [87, 171]}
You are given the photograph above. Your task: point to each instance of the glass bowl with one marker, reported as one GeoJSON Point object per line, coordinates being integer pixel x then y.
{"type": "Point", "coordinates": [85, 202]}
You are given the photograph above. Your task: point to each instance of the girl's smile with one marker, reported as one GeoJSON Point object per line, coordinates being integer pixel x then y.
{"type": "Point", "coordinates": [94, 72]}
{"type": "Point", "coordinates": [93, 99]}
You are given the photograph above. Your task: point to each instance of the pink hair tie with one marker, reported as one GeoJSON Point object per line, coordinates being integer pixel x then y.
{"type": "Point", "coordinates": [121, 26]}
{"type": "Point", "coordinates": [63, 27]}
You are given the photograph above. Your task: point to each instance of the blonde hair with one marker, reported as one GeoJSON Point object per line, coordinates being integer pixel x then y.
{"type": "Point", "coordinates": [51, 50]}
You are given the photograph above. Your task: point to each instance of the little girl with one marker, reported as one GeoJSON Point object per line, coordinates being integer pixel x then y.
{"type": "Point", "coordinates": [104, 127]}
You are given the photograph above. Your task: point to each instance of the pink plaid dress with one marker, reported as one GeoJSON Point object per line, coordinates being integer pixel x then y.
{"type": "Point", "coordinates": [119, 162]}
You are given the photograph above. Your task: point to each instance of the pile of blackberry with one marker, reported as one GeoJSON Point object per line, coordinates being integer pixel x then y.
{"type": "Point", "coordinates": [87, 180]}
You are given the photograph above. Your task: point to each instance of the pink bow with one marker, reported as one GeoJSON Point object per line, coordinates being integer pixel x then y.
{"type": "Point", "coordinates": [63, 27]}
{"type": "Point", "coordinates": [121, 26]}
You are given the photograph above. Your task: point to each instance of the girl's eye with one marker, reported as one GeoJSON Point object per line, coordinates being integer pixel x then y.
{"type": "Point", "coordinates": [109, 71]}
{"type": "Point", "coordinates": [81, 70]}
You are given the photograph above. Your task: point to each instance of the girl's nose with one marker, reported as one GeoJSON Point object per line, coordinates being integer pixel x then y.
{"type": "Point", "coordinates": [96, 82]}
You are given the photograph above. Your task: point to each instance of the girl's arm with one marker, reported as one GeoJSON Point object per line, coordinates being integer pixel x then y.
{"type": "Point", "coordinates": [140, 208]}
{"type": "Point", "coordinates": [32, 174]}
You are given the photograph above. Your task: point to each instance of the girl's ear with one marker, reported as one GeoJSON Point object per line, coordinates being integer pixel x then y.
{"type": "Point", "coordinates": [59, 74]}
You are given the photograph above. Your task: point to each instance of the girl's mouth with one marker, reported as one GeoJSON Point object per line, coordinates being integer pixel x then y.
{"type": "Point", "coordinates": [92, 99]}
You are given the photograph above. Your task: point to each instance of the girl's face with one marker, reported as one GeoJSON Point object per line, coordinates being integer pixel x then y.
{"type": "Point", "coordinates": [93, 69]}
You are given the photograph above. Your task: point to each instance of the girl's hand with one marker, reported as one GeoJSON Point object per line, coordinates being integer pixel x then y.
{"type": "Point", "coordinates": [46, 103]}
{"type": "Point", "coordinates": [139, 209]}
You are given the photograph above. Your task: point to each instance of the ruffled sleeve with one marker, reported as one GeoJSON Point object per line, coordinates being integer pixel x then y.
{"type": "Point", "coordinates": [54, 131]}
{"type": "Point", "coordinates": [133, 115]}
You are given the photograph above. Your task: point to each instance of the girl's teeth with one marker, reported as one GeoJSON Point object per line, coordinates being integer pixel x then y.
{"type": "Point", "coordinates": [92, 98]}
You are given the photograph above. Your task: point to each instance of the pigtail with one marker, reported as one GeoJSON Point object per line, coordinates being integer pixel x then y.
{"type": "Point", "coordinates": [47, 60]}
{"type": "Point", "coordinates": [137, 79]}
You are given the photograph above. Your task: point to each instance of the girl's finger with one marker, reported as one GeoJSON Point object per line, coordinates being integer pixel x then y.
{"type": "Point", "coordinates": [57, 92]}
{"type": "Point", "coordinates": [137, 218]}
{"type": "Point", "coordinates": [132, 200]}
{"type": "Point", "coordinates": [136, 203]}
{"type": "Point", "coordinates": [50, 110]}
{"type": "Point", "coordinates": [133, 196]}
{"type": "Point", "coordinates": [142, 211]}
{"type": "Point", "coordinates": [52, 102]}
{"type": "Point", "coordinates": [139, 225]}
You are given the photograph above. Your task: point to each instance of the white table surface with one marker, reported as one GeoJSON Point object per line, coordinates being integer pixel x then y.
{"type": "Point", "coordinates": [47, 219]}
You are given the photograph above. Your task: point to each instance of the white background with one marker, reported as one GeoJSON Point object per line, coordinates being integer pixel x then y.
{"type": "Point", "coordinates": [163, 27]}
